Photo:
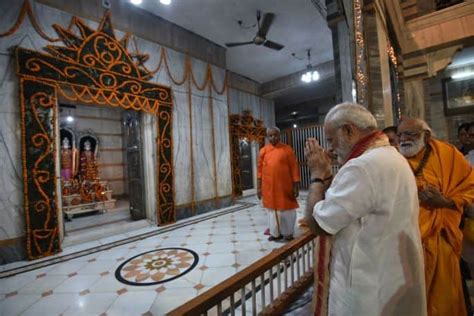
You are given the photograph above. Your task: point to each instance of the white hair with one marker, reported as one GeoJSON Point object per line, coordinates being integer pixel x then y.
{"type": "Point", "coordinates": [419, 123]}
{"type": "Point", "coordinates": [274, 128]}
{"type": "Point", "coordinates": [349, 112]}
{"type": "Point", "coordinates": [424, 125]}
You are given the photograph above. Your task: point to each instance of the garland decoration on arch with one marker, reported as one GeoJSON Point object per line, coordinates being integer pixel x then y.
{"type": "Point", "coordinates": [92, 67]}
{"type": "Point", "coordinates": [243, 126]}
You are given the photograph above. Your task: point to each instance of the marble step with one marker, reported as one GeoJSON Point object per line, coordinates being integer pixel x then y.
{"type": "Point", "coordinates": [103, 231]}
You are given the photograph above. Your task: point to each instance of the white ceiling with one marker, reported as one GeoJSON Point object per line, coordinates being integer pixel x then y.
{"type": "Point", "coordinates": [298, 25]}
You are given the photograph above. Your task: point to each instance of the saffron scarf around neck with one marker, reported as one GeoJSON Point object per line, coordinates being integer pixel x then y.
{"type": "Point", "coordinates": [373, 140]}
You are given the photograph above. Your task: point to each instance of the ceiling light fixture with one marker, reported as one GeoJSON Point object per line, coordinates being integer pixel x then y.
{"type": "Point", "coordinates": [461, 75]}
{"type": "Point", "coordinates": [136, 2]}
{"type": "Point", "coordinates": [295, 126]}
{"type": "Point", "coordinates": [310, 74]}
{"type": "Point", "coordinates": [165, 2]}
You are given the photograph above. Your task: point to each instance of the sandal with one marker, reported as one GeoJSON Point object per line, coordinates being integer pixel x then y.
{"type": "Point", "coordinates": [273, 238]}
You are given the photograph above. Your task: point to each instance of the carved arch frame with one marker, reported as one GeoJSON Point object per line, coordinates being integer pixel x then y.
{"type": "Point", "coordinates": [243, 126]}
{"type": "Point", "coordinates": [94, 68]}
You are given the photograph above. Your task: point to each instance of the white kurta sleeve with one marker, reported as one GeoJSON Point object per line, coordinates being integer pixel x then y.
{"type": "Point", "coordinates": [350, 197]}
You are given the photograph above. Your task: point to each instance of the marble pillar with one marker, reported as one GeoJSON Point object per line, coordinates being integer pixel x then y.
{"type": "Point", "coordinates": [379, 88]}
{"type": "Point", "coordinates": [343, 51]}
{"type": "Point", "coordinates": [414, 92]}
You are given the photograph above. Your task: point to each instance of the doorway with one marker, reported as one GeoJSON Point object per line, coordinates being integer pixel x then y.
{"type": "Point", "coordinates": [246, 168]}
{"type": "Point", "coordinates": [101, 171]}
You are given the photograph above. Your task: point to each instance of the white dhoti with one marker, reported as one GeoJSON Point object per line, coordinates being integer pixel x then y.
{"type": "Point", "coordinates": [281, 222]}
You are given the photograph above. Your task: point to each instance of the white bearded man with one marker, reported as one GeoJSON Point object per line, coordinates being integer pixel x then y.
{"type": "Point", "coordinates": [371, 211]}
{"type": "Point", "coordinates": [445, 182]}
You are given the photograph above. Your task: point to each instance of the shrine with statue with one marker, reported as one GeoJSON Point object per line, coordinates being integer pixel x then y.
{"type": "Point", "coordinates": [82, 189]}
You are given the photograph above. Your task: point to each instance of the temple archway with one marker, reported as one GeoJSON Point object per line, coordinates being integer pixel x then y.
{"type": "Point", "coordinates": [243, 126]}
{"type": "Point", "coordinates": [93, 68]}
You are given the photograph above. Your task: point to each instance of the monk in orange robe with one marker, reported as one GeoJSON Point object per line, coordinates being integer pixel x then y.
{"type": "Point", "coordinates": [278, 177]}
{"type": "Point", "coordinates": [445, 182]}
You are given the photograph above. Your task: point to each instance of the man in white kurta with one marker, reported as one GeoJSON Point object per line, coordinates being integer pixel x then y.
{"type": "Point", "coordinates": [371, 210]}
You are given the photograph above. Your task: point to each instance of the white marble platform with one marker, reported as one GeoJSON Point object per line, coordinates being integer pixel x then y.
{"type": "Point", "coordinates": [226, 242]}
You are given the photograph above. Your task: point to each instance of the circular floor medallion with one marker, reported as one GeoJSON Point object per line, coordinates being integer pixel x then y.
{"type": "Point", "coordinates": [157, 266]}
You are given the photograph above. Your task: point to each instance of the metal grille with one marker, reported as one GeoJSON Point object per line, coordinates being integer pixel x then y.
{"type": "Point", "coordinates": [296, 138]}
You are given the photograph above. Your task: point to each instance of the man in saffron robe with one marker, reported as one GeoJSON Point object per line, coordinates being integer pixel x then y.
{"type": "Point", "coordinates": [277, 185]}
{"type": "Point", "coordinates": [445, 182]}
{"type": "Point", "coordinates": [370, 209]}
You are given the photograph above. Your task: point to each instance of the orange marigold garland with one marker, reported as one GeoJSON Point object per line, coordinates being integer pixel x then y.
{"type": "Point", "coordinates": [37, 105]}
{"type": "Point", "coordinates": [82, 72]}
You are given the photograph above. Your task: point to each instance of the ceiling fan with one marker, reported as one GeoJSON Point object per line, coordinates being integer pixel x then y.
{"type": "Point", "coordinates": [261, 36]}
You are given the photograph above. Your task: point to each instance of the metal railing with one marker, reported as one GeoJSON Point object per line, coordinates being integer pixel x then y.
{"type": "Point", "coordinates": [267, 287]}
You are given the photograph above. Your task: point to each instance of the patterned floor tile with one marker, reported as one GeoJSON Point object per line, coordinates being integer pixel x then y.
{"type": "Point", "coordinates": [54, 304]}
{"type": "Point", "coordinates": [142, 303]}
{"type": "Point", "coordinates": [47, 293]}
{"type": "Point", "coordinates": [220, 260]}
{"type": "Point", "coordinates": [229, 241]}
{"type": "Point", "coordinates": [221, 247]}
{"type": "Point", "coordinates": [213, 276]}
{"type": "Point", "coordinates": [66, 268]}
{"type": "Point", "coordinates": [198, 286]}
{"type": "Point", "coordinates": [15, 305]}
{"type": "Point", "coordinates": [11, 294]}
{"type": "Point", "coordinates": [97, 267]}
{"type": "Point", "coordinates": [157, 266]}
{"type": "Point", "coordinates": [77, 284]}
{"type": "Point", "coordinates": [170, 299]}
{"type": "Point", "coordinates": [122, 291]}
{"type": "Point", "coordinates": [13, 284]}
{"type": "Point", "coordinates": [85, 292]}
{"type": "Point", "coordinates": [91, 304]}
{"type": "Point", "coordinates": [44, 284]}
{"type": "Point", "coordinates": [106, 284]}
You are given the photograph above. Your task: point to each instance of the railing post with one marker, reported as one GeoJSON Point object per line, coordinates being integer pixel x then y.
{"type": "Point", "coordinates": [223, 298]}
{"type": "Point", "coordinates": [242, 301]}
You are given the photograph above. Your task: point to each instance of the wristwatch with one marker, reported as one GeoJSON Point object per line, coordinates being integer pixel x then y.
{"type": "Point", "coordinates": [319, 180]}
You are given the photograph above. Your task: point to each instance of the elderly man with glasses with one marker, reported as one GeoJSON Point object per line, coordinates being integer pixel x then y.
{"type": "Point", "coordinates": [370, 209]}
{"type": "Point", "coordinates": [445, 182]}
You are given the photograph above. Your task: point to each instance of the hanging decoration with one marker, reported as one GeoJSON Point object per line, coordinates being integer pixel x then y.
{"type": "Point", "coordinates": [93, 67]}
{"type": "Point", "coordinates": [360, 64]}
{"type": "Point", "coordinates": [104, 72]}
{"type": "Point", "coordinates": [395, 79]}
{"type": "Point", "coordinates": [26, 10]}
{"type": "Point", "coordinates": [243, 126]}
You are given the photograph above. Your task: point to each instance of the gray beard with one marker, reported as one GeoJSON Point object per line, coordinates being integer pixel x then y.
{"type": "Point", "coordinates": [343, 153]}
{"type": "Point", "coordinates": [413, 149]}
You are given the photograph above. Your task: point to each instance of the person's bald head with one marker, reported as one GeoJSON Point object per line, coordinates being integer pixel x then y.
{"type": "Point", "coordinates": [273, 135]}
{"type": "Point", "coordinates": [414, 134]}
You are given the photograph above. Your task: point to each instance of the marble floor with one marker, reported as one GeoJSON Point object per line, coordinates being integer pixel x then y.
{"type": "Point", "coordinates": [97, 218]}
{"type": "Point", "coordinates": [98, 225]}
{"type": "Point", "coordinates": [148, 272]}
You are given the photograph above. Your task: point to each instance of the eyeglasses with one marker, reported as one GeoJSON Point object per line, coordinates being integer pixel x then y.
{"type": "Point", "coordinates": [409, 134]}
